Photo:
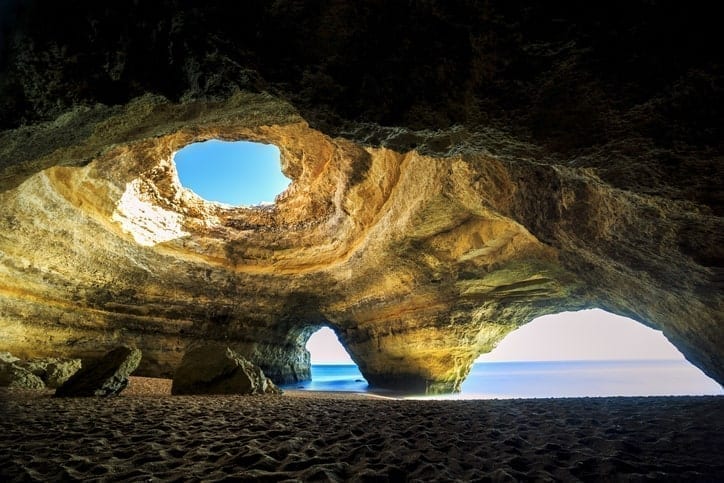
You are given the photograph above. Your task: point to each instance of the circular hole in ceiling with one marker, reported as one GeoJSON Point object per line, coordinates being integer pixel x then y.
{"type": "Point", "coordinates": [239, 173]}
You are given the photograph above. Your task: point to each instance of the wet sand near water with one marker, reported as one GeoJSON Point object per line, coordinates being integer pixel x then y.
{"type": "Point", "coordinates": [146, 434]}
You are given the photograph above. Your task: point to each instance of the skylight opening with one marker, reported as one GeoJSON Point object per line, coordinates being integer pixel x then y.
{"type": "Point", "coordinates": [239, 173]}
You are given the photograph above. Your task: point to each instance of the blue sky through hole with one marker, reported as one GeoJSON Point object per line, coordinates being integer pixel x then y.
{"type": "Point", "coordinates": [237, 173]}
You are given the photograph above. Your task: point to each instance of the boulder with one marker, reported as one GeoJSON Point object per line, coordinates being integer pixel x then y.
{"type": "Point", "coordinates": [58, 372]}
{"type": "Point", "coordinates": [8, 357]}
{"type": "Point", "coordinates": [214, 369]}
{"type": "Point", "coordinates": [35, 373]}
{"type": "Point", "coordinates": [107, 376]}
{"type": "Point", "coordinates": [18, 377]}
{"type": "Point", "coordinates": [53, 371]}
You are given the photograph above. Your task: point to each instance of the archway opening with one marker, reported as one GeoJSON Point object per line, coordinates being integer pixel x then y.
{"type": "Point", "coordinates": [238, 173]}
{"type": "Point", "coordinates": [332, 367]}
{"type": "Point", "coordinates": [588, 353]}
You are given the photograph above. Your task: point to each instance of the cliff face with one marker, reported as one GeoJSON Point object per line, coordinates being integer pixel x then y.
{"type": "Point", "coordinates": [446, 188]}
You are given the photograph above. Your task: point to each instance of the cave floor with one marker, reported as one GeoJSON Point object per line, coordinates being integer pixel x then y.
{"type": "Point", "coordinates": [336, 437]}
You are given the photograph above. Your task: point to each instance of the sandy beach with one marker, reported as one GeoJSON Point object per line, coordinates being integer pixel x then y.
{"type": "Point", "coordinates": [148, 435]}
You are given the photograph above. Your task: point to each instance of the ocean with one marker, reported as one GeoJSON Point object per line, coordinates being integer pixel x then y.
{"type": "Point", "coordinates": [544, 379]}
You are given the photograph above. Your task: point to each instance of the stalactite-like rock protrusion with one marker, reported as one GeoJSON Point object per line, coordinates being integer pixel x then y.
{"type": "Point", "coordinates": [446, 188]}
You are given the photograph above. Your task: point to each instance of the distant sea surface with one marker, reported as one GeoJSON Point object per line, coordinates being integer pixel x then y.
{"type": "Point", "coordinates": [503, 380]}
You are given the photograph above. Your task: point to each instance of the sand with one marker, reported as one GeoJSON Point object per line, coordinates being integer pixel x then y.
{"type": "Point", "coordinates": [146, 434]}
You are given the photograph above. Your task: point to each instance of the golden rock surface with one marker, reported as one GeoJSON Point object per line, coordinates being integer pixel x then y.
{"type": "Point", "coordinates": [419, 259]}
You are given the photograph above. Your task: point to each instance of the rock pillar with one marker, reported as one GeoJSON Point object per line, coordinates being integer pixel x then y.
{"type": "Point", "coordinates": [419, 359]}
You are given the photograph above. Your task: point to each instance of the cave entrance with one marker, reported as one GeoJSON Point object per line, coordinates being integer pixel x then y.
{"type": "Point", "coordinates": [237, 173]}
{"type": "Point", "coordinates": [586, 353]}
{"type": "Point", "coordinates": [332, 367]}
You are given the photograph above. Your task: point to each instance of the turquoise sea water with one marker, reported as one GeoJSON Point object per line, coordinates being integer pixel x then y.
{"type": "Point", "coordinates": [334, 377]}
{"type": "Point", "coordinates": [499, 380]}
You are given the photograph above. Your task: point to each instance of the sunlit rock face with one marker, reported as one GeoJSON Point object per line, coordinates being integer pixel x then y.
{"type": "Point", "coordinates": [446, 188]}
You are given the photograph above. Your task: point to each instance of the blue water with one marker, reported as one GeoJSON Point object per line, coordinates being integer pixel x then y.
{"type": "Point", "coordinates": [587, 378]}
{"type": "Point", "coordinates": [334, 377]}
{"type": "Point", "coordinates": [502, 380]}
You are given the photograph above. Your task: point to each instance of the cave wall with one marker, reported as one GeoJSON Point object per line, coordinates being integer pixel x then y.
{"type": "Point", "coordinates": [458, 169]}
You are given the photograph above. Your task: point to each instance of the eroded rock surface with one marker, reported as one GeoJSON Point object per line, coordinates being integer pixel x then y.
{"type": "Point", "coordinates": [18, 377]}
{"type": "Point", "coordinates": [36, 373]}
{"type": "Point", "coordinates": [106, 376]}
{"type": "Point", "coordinates": [216, 369]}
{"type": "Point", "coordinates": [52, 371]}
{"type": "Point", "coordinates": [456, 171]}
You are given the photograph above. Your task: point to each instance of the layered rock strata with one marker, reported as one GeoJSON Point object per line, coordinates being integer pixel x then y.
{"type": "Point", "coordinates": [527, 168]}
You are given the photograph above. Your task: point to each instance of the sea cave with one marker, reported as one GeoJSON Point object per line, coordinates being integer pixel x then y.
{"type": "Point", "coordinates": [457, 169]}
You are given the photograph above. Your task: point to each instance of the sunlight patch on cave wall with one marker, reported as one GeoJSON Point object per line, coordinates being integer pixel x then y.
{"type": "Point", "coordinates": [147, 223]}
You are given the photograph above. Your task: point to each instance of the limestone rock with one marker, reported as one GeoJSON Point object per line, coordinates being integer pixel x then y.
{"type": "Point", "coordinates": [213, 369]}
{"type": "Point", "coordinates": [8, 357]}
{"type": "Point", "coordinates": [52, 370]}
{"type": "Point", "coordinates": [107, 376]}
{"type": "Point", "coordinates": [15, 376]}
{"type": "Point", "coordinates": [35, 373]}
